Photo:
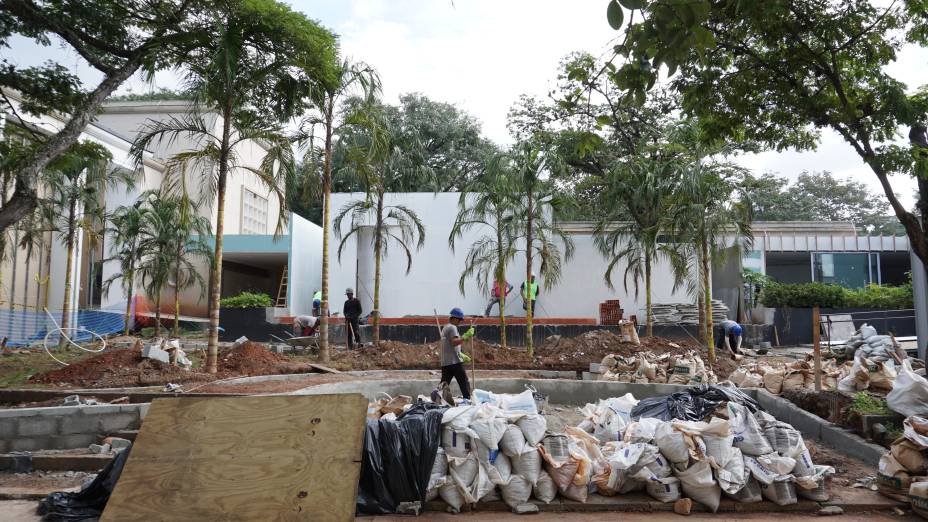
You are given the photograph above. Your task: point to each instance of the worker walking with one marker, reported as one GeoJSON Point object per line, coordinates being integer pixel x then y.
{"type": "Point", "coordinates": [352, 311]}
{"type": "Point", "coordinates": [452, 359]}
{"type": "Point", "coordinates": [317, 303]}
{"type": "Point", "coordinates": [498, 296]}
{"type": "Point", "coordinates": [728, 334]}
{"type": "Point", "coordinates": [530, 295]}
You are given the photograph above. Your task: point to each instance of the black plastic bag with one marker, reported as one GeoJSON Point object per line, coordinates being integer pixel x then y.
{"type": "Point", "coordinates": [90, 501]}
{"type": "Point", "coordinates": [692, 404]}
{"type": "Point", "coordinates": [397, 458]}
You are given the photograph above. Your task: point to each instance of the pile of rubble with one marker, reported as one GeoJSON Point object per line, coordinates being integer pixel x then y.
{"type": "Point", "coordinates": [780, 377]}
{"type": "Point", "coordinates": [868, 344]}
{"type": "Point", "coordinates": [686, 313]}
{"type": "Point", "coordinates": [647, 367]}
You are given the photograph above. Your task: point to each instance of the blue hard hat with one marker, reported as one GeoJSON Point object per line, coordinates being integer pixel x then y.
{"type": "Point", "coordinates": [736, 329]}
{"type": "Point", "coordinates": [457, 312]}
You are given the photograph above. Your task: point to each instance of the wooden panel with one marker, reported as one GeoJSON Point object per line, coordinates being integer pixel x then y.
{"type": "Point", "coordinates": [244, 458]}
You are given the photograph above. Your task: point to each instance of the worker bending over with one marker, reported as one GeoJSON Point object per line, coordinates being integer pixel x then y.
{"type": "Point", "coordinates": [304, 325]}
{"type": "Point", "coordinates": [452, 359]}
{"type": "Point", "coordinates": [729, 335]}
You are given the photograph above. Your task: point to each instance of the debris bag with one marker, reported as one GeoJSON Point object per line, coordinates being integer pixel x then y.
{"type": "Point", "coordinates": [784, 439]}
{"type": "Point", "coordinates": [748, 436]}
{"type": "Point", "coordinates": [910, 455]}
{"type": "Point", "coordinates": [918, 493]}
{"type": "Point", "coordinates": [497, 464]}
{"type": "Point", "coordinates": [694, 404]}
{"type": "Point", "coordinates": [652, 460]}
{"type": "Point", "coordinates": [699, 485]}
{"type": "Point", "coordinates": [815, 486]}
{"type": "Point", "coordinates": [513, 441]}
{"type": "Point", "coordinates": [892, 480]}
{"type": "Point", "coordinates": [909, 395]}
{"type": "Point", "coordinates": [469, 477]}
{"type": "Point", "coordinates": [438, 476]}
{"type": "Point", "coordinates": [517, 491]}
{"type": "Point", "coordinates": [719, 441]}
{"type": "Point", "coordinates": [488, 426]}
{"type": "Point", "coordinates": [533, 428]}
{"type": "Point", "coordinates": [733, 475]}
{"type": "Point", "coordinates": [773, 380]}
{"type": "Point", "coordinates": [492, 496]}
{"type": "Point", "coordinates": [459, 418]}
{"type": "Point", "coordinates": [781, 491]}
{"type": "Point", "coordinates": [456, 444]}
{"type": "Point", "coordinates": [671, 443]}
{"type": "Point", "coordinates": [915, 429]}
{"type": "Point", "coordinates": [609, 426]}
{"type": "Point", "coordinates": [527, 464]}
{"type": "Point", "coordinates": [518, 402]}
{"type": "Point", "coordinates": [641, 430]}
{"type": "Point", "coordinates": [544, 489]}
{"type": "Point", "coordinates": [749, 493]}
{"type": "Point", "coordinates": [90, 501]}
{"type": "Point", "coordinates": [397, 459]}
{"type": "Point", "coordinates": [767, 468]}
{"type": "Point", "coordinates": [881, 375]}
{"type": "Point", "coordinates": [804, 466]}
{"type": "Point", "coordinates": [666, 489]}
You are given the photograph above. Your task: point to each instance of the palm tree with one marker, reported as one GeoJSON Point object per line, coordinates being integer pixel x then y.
{"type": "Point", "coordinates": [536, 224]}
{"type": "Point", "coordinates": [126, 232]}
{"type": "Point", "coordinates": [712, 214]}
{"type": "Point", "coordinates": [256, 71]}
{"type": "Point", "coordinates": [641, 190]}
{"type": "Point", "coordinates": [76, 184]}
{"type": "Point", "coordinates": [487, 202]}
{"type": "Point", "coordinates": [349, 78]}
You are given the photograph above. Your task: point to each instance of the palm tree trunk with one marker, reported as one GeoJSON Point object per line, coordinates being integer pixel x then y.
{"type": "Point", "coordinates": [176, 292]}
{"type": "Point", "coordinates": [501, 279]}
{"type": "Point", "coordinates": [529, 341]}
{"type": "Point", "coordinates": [378, 244]}
{"type": "Point", "coordinates": [69, 269]}
{"type": "Point", "coordinates": [158, 314]}
{"type": "Point", "coordinates": [215, 282]}
{"type": "Point", "coordinates": [647, 294]}
{"type": "Point", "coordinates": [707, 296]}
{"type": "Point", "coordinates": [327, 196]}
{"type": "Point", "coordinates": [130, 283]}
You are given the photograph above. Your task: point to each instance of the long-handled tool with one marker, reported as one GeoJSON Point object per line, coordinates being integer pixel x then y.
{"type": "Point", "coordinates": [473, 360]}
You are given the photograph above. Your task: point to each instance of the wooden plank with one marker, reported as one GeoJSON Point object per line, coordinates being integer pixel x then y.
{"type": "Point", "coordinates": [323, 369]}
{"type": "Point", "coordinates": [284, 457]}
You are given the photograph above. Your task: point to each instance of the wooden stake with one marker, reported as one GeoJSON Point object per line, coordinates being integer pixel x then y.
{"type": "Point", "coordinates": [817, 348]}
{"type": "Point", "coordinates": [776, 336]}
{"type": "Point", "coordinates": [473, 362]}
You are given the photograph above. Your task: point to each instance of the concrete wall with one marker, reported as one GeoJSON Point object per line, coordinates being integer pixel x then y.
{"type": "Point", "coordinates": [305, 267]}
{"type": "Point", "coordinates": [65, 427]}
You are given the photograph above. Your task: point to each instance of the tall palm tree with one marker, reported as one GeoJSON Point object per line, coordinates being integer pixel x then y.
{"type": "Point", "coordinates": [712, 214]}
{"type": "Point", "coordinates": [642, 190]}
{"type": "Point", "coordinates": [76, 184]}
{"type": "Point", "coordinates": [126, 231]}
{"type": "Point", "coordinates": [350, 78]}
{"type": "Point", "coordinates": [487, 202]}
{"type": "Point", "coordinates": [256, 71]}
{"type": "Point", "coordinates": [537, 225]}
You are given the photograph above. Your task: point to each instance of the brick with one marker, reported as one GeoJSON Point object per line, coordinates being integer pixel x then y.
{"type": "Point", "coordinates": [121, 421]}
{"type": "Point", "coordinates": [76, 440]}
{"type": "Point", "coordinates": [37, 426]}
{"type": "Point", "coordinates": [153, 352]}
{"type": "Point", "coordinates": [7, 429]}
{"type": "Point", "coordinates": [30, 444]}
{"type": "Point", "coordinates": [102, 409]}
{"type": "Point", "coordinates": [80, 424]}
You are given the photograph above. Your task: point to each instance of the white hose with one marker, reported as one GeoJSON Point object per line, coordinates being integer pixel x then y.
{"type": "Point", "coordinates": [58, 328]}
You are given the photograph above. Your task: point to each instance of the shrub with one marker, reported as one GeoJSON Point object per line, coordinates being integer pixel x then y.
{"type": "Point", "coordinates": [247, 300]}
{"type": "Point", "coordinates": [805, 295]}
{"type": "Point", "coordinates": [882, 297]}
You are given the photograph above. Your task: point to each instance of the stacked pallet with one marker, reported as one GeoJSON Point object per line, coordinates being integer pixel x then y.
{"type": "Point", "coordinates": [686, 313]}
{"type": "Point", "coordinates": [610, 312]}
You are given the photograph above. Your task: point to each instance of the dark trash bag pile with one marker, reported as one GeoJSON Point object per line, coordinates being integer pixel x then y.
{"type": "Point", "coordinates": [397, 459]}
{"type": "Point", "coordinates": [692, 404]}
{"type": "Point", "coordinates": [89, 502]}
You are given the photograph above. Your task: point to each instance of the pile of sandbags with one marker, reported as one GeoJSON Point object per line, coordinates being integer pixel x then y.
{"type": "Point", "coordinates": [779, 377]}
{"type": "Point", "coordinates": [870, 345]}
{"type": "Point", "coordinates": [489, 451]}
{"type": "Point", "coordinates": [906, 462]}
{"type": "Point", "coordinates": [747, 456]}
{"type": "Point", "coordinates": [868, 374]}
{"type": "Point", "coordinates": [647, 367]}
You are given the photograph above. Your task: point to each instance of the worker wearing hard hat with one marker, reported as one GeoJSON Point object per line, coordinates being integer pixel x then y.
{"type": "Point", "coordinates": [728, 335]}
{"type": "Point", "coordinates": [352, 311]}
{"type": "Point", "coordinates": [452, 359]}
{"type": "Point", "coordinates": [529, 294]}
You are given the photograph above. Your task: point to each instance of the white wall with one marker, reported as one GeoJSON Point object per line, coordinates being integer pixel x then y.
{"type": "Point", "coordinates": [433, 280]}
{"type": "Point", "coordinates": [305, 266]}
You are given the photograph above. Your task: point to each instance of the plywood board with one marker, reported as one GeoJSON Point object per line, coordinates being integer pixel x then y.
{"type": "Point", "coordinates": [244, 458]}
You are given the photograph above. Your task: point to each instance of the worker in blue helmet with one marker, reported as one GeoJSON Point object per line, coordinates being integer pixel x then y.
{"type": "Point", "coordinates": [452, 359]}
{"type": "Point", "coordinates": [728, 335]}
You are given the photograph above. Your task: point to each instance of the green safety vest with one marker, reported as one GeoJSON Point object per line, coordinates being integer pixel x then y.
{"type": "Point", "coordinates": [533, 290]}
{"type": "Point", "coordinates": [317, 296]}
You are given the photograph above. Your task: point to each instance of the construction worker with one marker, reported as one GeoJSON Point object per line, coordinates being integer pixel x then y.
{"type": "Point", "coordinates": [497, 295]}
{"type": "Point", "coordinates": [451, 357]}
{"type": "Point", "coordinates": [352, 311]}
{"type": "Point", "coordinates": [304, 325]}
{"type": "Point", "coordinates": [728, 334]}
{"type": "Point", "coordinates": [530, 296]}
{"type": "Point", "coordinates": [317, 303]}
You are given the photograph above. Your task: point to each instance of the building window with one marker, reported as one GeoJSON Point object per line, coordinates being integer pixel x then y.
{"type": "Point", "coordinates": [254, 213]}
{"type": "Point", "coordinates": [848, 269]}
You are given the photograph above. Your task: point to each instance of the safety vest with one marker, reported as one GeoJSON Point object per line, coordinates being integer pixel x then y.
{"type": "Point", "coordinates": [317, 296]}
{"type": "Point", "coordinates": [533, 291]}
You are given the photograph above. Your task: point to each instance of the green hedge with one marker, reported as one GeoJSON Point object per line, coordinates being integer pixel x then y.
{"type": "Point", "coordinates": [247, 300]}
{"type": "Point", "coordinates": [807, 295]}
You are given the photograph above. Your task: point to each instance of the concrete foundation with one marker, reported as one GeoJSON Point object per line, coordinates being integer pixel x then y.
{"type": "Point", "coordinates": [65, 427]}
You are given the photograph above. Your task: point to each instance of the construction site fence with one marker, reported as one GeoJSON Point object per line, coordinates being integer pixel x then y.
{"type": "Point", "coordinates": [794, 325]}
{"type": "Point", "coordinates": [25, 328]}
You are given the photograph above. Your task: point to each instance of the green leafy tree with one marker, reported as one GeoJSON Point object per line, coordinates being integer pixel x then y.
{"type": "Point", "coordinates": [487, 202]}
{"type": "Point", "coordinates": [76, 183]}
{"type": "Point", "coordinates": [643, 190]}
{"type": "Point", "coordinates": [259, 64]}
{"type": "Point", "coordinates": [116, 38]}
{"type": "Point", "coordinates": [780, 72]}
{"type": "Point", "coordinates": [126, 232]}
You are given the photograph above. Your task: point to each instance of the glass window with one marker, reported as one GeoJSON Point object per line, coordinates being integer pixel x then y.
{"type": "Point", "coordinates": [848, 269]}
{"type": "Point", "coordinates": [254, 213]}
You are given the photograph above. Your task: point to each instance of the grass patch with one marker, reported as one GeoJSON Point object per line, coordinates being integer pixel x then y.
{"type": "Point", "coordinates": [866, 404]}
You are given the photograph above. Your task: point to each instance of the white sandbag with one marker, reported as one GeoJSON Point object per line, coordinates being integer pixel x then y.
{"type": "Point", "coordinates": [767, 468]}
{"type": "Point", "coordinates": [699, 485]}
{"type": "Point", "coordinates": [720, 448]}
{"type": "Point", "coordinates": [666, 489]}
{"type": "Point", "coordinates": [748, 436]}
{"type": "Point", "coordinates": [463, 486]}
{"type": "Point", "coordinates": [513, 441]}
{"type": "Point", "coordinates": [459, 418]}
{"type": "Point", "coordinates": [879, 340]}
{"type": "Point", "coordinates": [804, 466]}
{"type": "Point", "coordinates": [493, 496]}
{"type": "Point", "coordinates": [623, 463]}
{"type": "Point", "coordinates": [749, 493]}
{"type": "Point", "coordinates": [533, 428]}
{"type": "Point", "coordinates": [517, 491]}
{"type": "Point", "coordinates": [733, 476]}
{"type": "Point", "coordinates": [527, 464]}
{"type": "Point", "coordinates": [518, 402]}
{"type": "Point", "coordinates": [455, 444]}
{"type": "Point", "coordinates": [575, 492]}
{"type": "Point", "coordinates": [781, 491]}
{"type": "Point", "coordinates": [558, 462]}
{"type": "Point", "coordinates": [642, 430]}
{"type": "Point", "coordinates": [488, 425]}
{"type": "Point", "coordinates": [909, 395]}
{"type": "Point", "coordinates": [671, 443]}
{"type": "Point", "coordinates": [438, 476]}
{"type": "Point", "coordinates": [544, 489]}
{"type": "Point", "coordinates": [914, 428]}
{"type": "Point", "coordinates": [609, 426]}
{"type": "Point", "coordinates": [497, 464]}
{"type": "Point", "coordinates": [784, 439]}
{"type": "Point", "coordinates": [652, 460]}
{"type": "Point", "coordinates": [815, 486]}
{"type": "Point", "coordinates": [452, 495]}
{"type": "Point", "coordinates": [867, 331]}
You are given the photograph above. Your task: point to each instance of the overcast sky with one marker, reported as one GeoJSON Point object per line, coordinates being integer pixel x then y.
{"type": "Point", "coordinates": [482, 54]}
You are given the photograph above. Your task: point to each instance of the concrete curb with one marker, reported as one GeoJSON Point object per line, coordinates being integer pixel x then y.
{"type": "Point", "coordinates": [65, 427]}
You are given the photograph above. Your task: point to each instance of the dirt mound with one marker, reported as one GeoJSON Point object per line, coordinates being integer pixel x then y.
{"type": "Point", "coordinates": [116, 368]}
{"type": "Point", "coordinates": [251, 358]}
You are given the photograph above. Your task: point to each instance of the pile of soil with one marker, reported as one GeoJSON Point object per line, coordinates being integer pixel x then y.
{"type": "Point", "coordinates": [251, 358]}
{"type": "Point", "coordinates": [117, 368]}
{"type": "Point", "coordinates": [829, 405]}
